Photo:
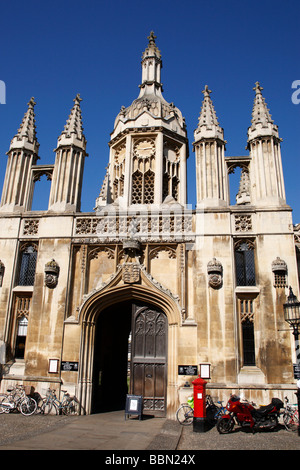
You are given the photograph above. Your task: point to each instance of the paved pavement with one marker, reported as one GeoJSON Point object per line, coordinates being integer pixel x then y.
{"type": "Point", "coordinates": [110, 431]}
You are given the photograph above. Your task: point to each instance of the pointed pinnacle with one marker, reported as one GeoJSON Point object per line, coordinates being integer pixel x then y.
{"type": "Point", "coordinates": [27, 128]}
{"type": "Point", "coordinates": [260, 113]}
{"type": "Point", "coordinates": [26, 134]}
{"type": "Point", "coordinates": [74, 121]}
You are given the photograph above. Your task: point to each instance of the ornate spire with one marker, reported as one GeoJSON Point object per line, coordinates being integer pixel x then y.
{"type": "Point", "coordinates": [152, 49]}
{"type": "Point", "coordinates": [260, 114]}
{"type": "Point", "coordinates": [73, 130]}
{"type": "Point", "coordinates": [74, 122]}
{"type": "Point", "coordinates": [261, 122]}
{"type": "Point", "coordinates": [26, 136]}
{"type": "Point", "coordinates": [103, 198]}
{"type": "Point", "coordinates": [208, 125]}
{"type": "Point", "coordinates": [151, 66]}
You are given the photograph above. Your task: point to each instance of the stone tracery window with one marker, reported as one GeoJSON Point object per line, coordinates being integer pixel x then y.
{"type": "Point", "coordinates": [143, 187]}
{"type": "Point", "coordinates": [143, 171]}
{"type": "Point", "coordinates": [119, 171]}
{"type": "Point", "coordinates": [246, 307]}
{"type": "Point", "coordinates": [21, 314]}
{"type": "Point", "coordinates": [171, 171]}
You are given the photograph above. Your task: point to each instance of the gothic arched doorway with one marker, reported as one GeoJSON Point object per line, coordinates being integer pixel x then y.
{"type": "Point", "coordinates": [130, 356]}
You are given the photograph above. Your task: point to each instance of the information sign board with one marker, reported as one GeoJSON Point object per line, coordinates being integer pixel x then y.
{"type": "Point", "coordinates": [134, 404]}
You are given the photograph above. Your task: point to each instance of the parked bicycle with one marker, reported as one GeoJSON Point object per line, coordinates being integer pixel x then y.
{"type": "Point", "coordinates": [185, 412]}
{"type": "Point", "coordinates": [17, 400]}
{"type": "Point", "coordinates": [290, 416]}
{"type": "Point", "coordinates": [52, 405]}
{"type": "Point", "coordinates": [213, 411]}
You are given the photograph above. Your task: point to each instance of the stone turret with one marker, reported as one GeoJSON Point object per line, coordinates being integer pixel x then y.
{"type": "Point", "coordinates": [148, 147]}
{"type": "Point", "coordinates": [22, 155]}
{"type": "Point", "coordinates": [67, 178]}
{"type": "Point", "coordinates": [266, 174]}
{"type": "Point", "coordinates": [209, 146]}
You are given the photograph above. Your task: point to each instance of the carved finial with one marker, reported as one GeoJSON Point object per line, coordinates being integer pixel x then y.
{"type": "Point", "coordinates": [31, 103]}
{"type": "Point", "coordinates": [151, 38]}
{"type": "Point", "coordinates": [257, 88]}
{"type": "Point", "coordinates": [206, 91]}
{"type": "Point", "coordinates": [77, 99]}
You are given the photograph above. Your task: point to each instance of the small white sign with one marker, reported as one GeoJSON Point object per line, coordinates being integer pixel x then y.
{"type": "Point", "coordinates": [133, 405]}
{"type": "Point", "coordinates": [205, 371]}
{"type": "Point", "coordinates": [53, 366]}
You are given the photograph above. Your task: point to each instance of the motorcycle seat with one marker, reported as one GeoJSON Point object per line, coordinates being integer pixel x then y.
{"type": "Point", "coordinates": [264, 410]}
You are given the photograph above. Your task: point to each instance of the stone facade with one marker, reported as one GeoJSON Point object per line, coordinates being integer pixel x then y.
{"type": "Point", "coordinates": [144, 276]}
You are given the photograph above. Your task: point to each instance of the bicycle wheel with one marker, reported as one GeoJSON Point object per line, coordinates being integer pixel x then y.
{"type": "Point", "coordinates": [185, 415]}
{"type": "Point", "coordinates": [291, 420]}
{"type": "Point", "coordinates": [48, 407]}
{"type": "Point", "coordinates": [28, 406]}
{"type": "Point", "coordinates": [70, 408]}
{"type": "Point", "coordinates": [6, 404]}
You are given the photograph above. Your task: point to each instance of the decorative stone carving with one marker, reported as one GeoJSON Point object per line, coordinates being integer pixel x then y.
{"type": "Point", "coordinates": [85, 226]}
{"type": "Point", "coordinates": [172, 226]}
{"type": "Point", "coordinates": [215, 274]}
{"type": "Point", "coordinates": [51, 274]}
{"type": "Point", "coordinates": [279, 268]}
{"type": "Point", "coordinates": [154, 253]}
{"type": "Point", "coordinates": [279, 265]}
{"type": "Point", "coordinates": [243, 223]}
{"type": "Point", "coordinates": [131, 273]}
{"type": "Point", "coordinates": [131, 267]}
{"type": "Point", "coordinates": [31, 226]}
{"type": "Point", "coordinates": [297, 234]}
{"type": "Point", "coordinates": [131, 245]}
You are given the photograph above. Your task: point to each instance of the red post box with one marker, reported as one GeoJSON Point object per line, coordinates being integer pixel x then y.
{"type": "Point", "coordinates": [199, 421]}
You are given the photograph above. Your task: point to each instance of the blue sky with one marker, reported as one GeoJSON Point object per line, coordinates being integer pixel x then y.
{"type": "Point", "coordinates": [54, 50]}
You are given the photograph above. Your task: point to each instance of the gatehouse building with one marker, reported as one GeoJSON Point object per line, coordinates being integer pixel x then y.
{"type": "Point", "coordinates": [133, 296]}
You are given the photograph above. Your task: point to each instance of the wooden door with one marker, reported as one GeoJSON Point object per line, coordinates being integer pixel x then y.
{"type": "Point", "coordinates": [149, 358]}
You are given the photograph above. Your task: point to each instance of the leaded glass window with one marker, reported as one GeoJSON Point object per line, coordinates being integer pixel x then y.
{"type": "Point", "coordinates": [244, 264]}
{"type": "Point", "coordinates": [27, 266]}
{"type": "Point", "coordinates": [246, 307]}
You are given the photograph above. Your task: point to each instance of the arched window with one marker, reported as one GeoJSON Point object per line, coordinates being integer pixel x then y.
{"type": "Point", "coordinates": [244, 263]}
{"type": "Point", "coordinates": [27, 265]}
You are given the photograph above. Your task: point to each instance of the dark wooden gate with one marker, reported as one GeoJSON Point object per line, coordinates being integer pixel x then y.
{"type": "Point", "coordinates": [149, 358]}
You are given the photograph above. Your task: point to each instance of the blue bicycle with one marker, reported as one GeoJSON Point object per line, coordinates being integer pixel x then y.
{"type": "Point", "coordinates": [185, 412]}
{"type": "Point", "coordinates": [213, 411]}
